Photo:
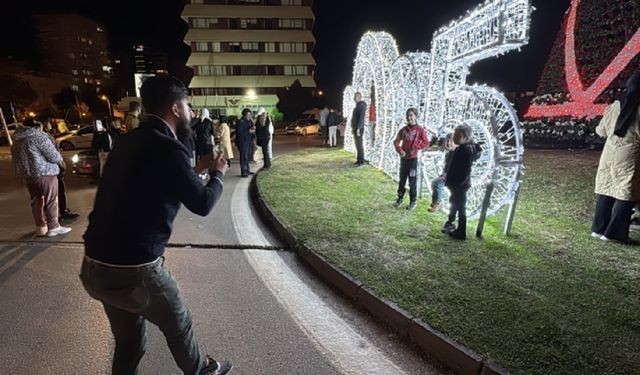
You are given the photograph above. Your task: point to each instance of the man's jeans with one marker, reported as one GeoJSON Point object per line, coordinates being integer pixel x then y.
{"type": "Point", "coordinates": [437, 186]}
{"type": "Point", "coordinates": [131, 296]}
{"type": "Point", "coordinates": [333, 136]}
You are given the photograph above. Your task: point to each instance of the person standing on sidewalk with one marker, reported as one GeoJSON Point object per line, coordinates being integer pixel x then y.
{"type": "Point", "coordinates": [146, 180]}
{"type": "Point", "coordinates": [263, 136]}
{"type": "Point", "coordinates": [357, 127]}
{"type": "Point", "coordinates": [203, 134]}
{"type": "Point", "coordinates": [245, 131]}
{"type": "Point", "coordinates": [224, 134]}
{"type": "Point", "coordinates": [332, 124]}
{"type": "Point", "coordinates": [38, 163]}
{"type": "Point", "coordinates": [410, 140]}
{"type": "Point", "coordinates": [324, 129]}
{"type": "Point", "coordinates": [63, 211]}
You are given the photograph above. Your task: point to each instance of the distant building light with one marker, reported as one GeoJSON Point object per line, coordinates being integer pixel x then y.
{"type": "Point", "coordinates": [116, 61]}
{"type": "Point", "coordinates": [139, 47]}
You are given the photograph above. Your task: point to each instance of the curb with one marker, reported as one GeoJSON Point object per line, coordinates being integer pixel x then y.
{"type": "Point", "coordinates": [447, 351]}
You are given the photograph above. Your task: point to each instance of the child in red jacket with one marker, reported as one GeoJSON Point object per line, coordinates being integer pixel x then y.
{"type": "Point", "coordinates": [410, 140]}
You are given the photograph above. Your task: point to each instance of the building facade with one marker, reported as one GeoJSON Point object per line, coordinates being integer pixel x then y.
{"type": "Point", "coordinates": [244, 51]}
{"type": "Point", "coordinates": [74, 45]}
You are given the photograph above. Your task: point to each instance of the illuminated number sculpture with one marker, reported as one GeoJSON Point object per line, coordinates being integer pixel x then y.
{"type": "Point", "coordinates": [435, 83]}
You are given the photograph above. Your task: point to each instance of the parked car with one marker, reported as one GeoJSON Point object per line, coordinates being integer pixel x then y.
{"type": "Point", "coordinates": [76, 139]}
{"type": "Point", "coordinates": [4, 140]}
{"type": "Point", "coordinates": [86, 162]}
{"type": "Point", "coordinates": [305, 126]}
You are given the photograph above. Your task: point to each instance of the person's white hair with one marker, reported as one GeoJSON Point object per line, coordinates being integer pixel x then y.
{"type": "Point", "coordinates": [204, 114]}
{"type": "Point", "coordinates": [261, 111]}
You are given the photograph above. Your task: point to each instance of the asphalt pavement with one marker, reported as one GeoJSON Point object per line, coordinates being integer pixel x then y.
{"type": "Point", "coordinates": [259, 308]}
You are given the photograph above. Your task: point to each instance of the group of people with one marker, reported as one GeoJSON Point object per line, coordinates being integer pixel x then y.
{"type": "Point", "coordinates": [462, 152]}
{"type": "Point", "coordinates": [154, 169]}
{"type": "Point", "coordinates": [214, 136]}
{"type": "Point", "coordinates": [329, 121]}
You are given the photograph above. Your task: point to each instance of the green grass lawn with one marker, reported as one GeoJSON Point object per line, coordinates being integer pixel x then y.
{"type": "Point", "coordinates": [547, 300]}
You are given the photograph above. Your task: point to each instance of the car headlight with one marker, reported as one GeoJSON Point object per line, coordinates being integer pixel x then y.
{"type": "Point", "coordinates": [75, 159]}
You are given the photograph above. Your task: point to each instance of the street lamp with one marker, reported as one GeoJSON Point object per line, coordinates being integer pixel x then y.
{"type": "Point", "coordinates": [106, 99]}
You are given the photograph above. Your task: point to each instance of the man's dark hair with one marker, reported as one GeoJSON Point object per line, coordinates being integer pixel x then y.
{"type": "Point", "coordinates": [160, 92]}
{"type": "Point", "coordinates": [245, 111]}
{"type": "Point", "coordinates": [134, 106]}
{"type": "Point", "coordinates": [30, 122]}
{"type": "Point", "coordinates": [223, 119]}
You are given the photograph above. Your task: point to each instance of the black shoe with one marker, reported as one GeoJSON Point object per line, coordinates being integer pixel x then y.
{"type": "Point", "coordinates": [448, 227]}
{"type": "Point", "coordinates": [458, 235]}
{"type": "Point", "coordinates": [68, 215]}
{"type": "Point", "coordinates": [398, 203]}
{"type": "Point", "coordinates": [214, 367]}
{"type": "Point", "coordinates": [251, 173]}
{"type": "Point", "coordinates": [412, 206]}
{"type": "Point", "coordinates": [360, 165]}
{"type": "Point", "coordinates": [244, 175]}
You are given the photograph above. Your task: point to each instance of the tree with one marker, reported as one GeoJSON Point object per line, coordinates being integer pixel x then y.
{"type": "Point", "coordinates": [66, 102]}
{"type": "Point", "coordinates": [294, 100]}
{"type": "Point", "coordinates": [16, 90]}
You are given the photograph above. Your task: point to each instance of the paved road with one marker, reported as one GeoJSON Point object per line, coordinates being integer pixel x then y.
{"type": "Point", "coordinates": [261, 309]}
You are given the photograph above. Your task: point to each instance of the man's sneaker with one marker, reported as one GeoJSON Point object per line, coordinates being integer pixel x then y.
{"type": "Point", "coordinates": [59, 230]}
{"type": "Point", "coordinates": [605, 239]}
{"type": "Point", "coordinates": [360, 165]}
{"type": "Point", "coordinates": [41, 231]}
{"type": "Point", "coordinates": [448, 227]}
{"type": "Point", "coordinates": [398, 203]}
{"type": "Point", "coordinates": [458, 235]}
{"type": "Point", "coordinates": [214, 367]}
{"type": "Point", "coordinates": [411, 206]}
{"type": "Point", "coordinates": [595, 235]}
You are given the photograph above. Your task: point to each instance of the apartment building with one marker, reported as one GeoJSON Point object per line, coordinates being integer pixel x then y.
{"type": "Point", "coordinates": [244, 51]}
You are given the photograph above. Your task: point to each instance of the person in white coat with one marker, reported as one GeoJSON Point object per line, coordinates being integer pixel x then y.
{"type": "Point", "coordinates": [618, 178]}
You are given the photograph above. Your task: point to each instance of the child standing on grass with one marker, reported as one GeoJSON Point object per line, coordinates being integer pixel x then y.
{"type": "Point", "coordinates": [410, 141]}
{"type": "Point", "coordinates": [437, 185]}
{"type": "Point", "coordinates": [458, 180]}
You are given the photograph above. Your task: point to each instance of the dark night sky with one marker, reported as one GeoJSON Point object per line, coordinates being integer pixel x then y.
{"type": "Point", "coordinates": [339, 26]}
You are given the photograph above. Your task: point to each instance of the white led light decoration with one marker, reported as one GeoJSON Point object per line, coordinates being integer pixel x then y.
{"type": "Point", "coordinates": [435, 83]}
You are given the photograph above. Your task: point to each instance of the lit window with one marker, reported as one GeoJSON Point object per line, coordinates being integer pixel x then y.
{"type": "Point", "coordinates": [245, 22]}
{"type": "Point", "coordinates": [216, 47]}
{"type": "Point", "coordinates": [202, 46]}
{"type": "Point", "coordinates": [74, 72]}
{"type": "Point", "coordinates": [270, 47]}
{"type": "Point", "coordinates": [72, 55]}
{"type": "Point", "coordinates": [285, 47]}
{"type": "Point", "coordinates": [200, 23]}
{"type": "Point", "coordinates": [250, 46]}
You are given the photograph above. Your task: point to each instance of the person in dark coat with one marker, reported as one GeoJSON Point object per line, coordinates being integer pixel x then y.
{"type": "Point", "coordinates": [245, 133]}
{"type": "Point", "coordinates": [357, 127]}
{"type": "Point", "coordinates": [204, 135]}
{"type": "Point", "coordinates": [104, 140]}
{"type": "Point", "coordinates": [146, 181]}
{"type": "Point", "coordinates": [458, 179]}
{"type": "Point", "coordinates": [263, 136]}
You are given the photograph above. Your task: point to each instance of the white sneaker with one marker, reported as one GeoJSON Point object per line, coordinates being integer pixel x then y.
{"type": "Point", "coordinates": [604, 238]}
{"type": "Point", "coordinates": [595, 235]}
{"type": "Point", "coordinates": [41, 231]}
{"type": "Point", "coordinates": [59, 230]}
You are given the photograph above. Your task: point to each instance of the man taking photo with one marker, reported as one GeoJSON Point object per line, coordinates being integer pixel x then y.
{"type": "Point", "coordinates": [147, 178]}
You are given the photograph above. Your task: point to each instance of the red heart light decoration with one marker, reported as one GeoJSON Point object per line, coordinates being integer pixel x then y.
{"type": "Point", "coordinates": [583, 101]}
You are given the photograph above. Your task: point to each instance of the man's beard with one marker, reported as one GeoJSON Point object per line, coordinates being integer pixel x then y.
{"type": "Point", "coordinates": [183, 130]}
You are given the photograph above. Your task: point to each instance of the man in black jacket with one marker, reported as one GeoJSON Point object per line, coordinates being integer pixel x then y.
{"type": "Point", "coordinates": [357, 127]}
{"type": "Point", "coordinates": [147, 178]}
